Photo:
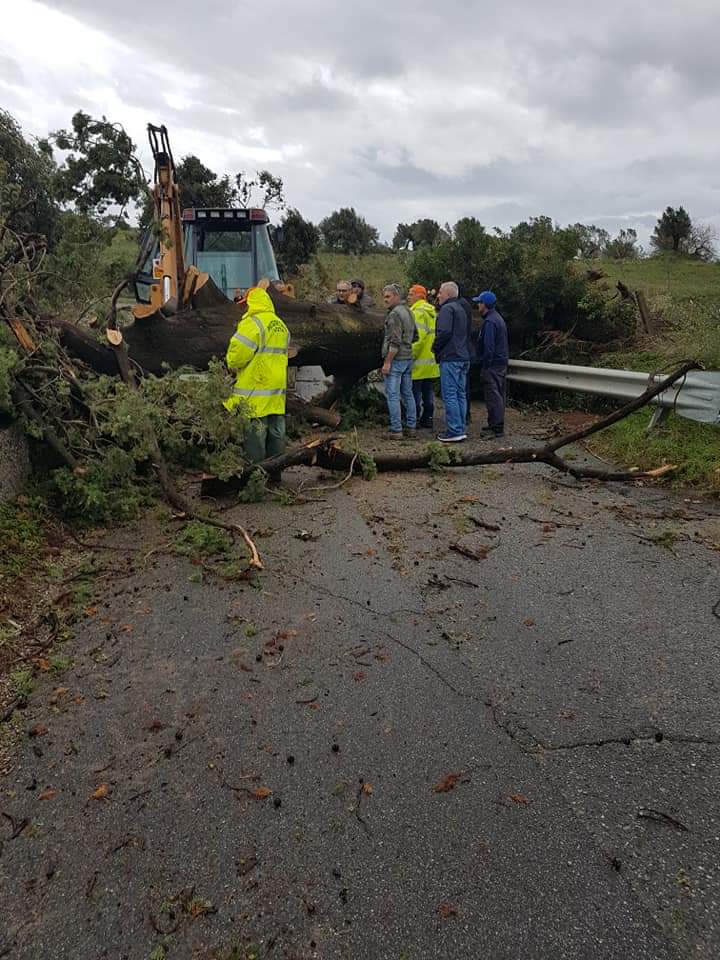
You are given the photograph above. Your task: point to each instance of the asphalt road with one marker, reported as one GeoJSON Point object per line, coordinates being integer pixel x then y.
{"type": "Point", "coordinates": [383, 748]}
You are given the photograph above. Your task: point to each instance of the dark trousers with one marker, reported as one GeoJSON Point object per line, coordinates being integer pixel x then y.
{"type": "Point", "coordinates": [424, 400]}
{"type": "Point", "coordinates": [493, 379]}
{"type": "Point", "coordinates": [264, 437]}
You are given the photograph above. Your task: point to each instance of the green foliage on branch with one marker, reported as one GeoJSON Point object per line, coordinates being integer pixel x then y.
{"type": "Point", "coordinates": [200, 540]}
{"type": "Point", "coordinates": [26, 173]}
{"type": "Point", "coordinates": [106, 426]}
{"type": "Point", "coordinates": [100, 169]}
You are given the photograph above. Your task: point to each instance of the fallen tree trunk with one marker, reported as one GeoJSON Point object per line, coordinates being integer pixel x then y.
{"type": "Point", "coordinates": [344, 340]}
{"type": "Point", "coordinates": [328, 455]}
{"type": "Point", "coordinates": [311, 412]}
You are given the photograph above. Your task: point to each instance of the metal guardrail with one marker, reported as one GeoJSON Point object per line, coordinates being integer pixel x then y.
{"type": "Point", "coordinates": [696, 396]}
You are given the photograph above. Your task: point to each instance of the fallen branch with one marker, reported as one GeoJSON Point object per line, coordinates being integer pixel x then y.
{"type": "Point", "coordinates": [22, 399]}
{"type": "Point", "coordinates": [328, 455]}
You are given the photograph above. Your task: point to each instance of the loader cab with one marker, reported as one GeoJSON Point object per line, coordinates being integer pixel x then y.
{"type": "Point", "coordinates": [232, 245]}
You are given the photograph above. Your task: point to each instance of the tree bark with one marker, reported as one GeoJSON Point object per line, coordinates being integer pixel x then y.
{"type": "Point", "coordinates": [344, 340]}
{"type": "Point", "coordinates": [311, 412]}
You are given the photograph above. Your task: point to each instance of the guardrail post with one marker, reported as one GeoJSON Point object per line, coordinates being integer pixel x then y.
{"type": "Point", "coordinates": [660, 415]}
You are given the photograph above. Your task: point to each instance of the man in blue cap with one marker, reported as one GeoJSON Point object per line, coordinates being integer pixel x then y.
{"type": "Point", "coordinates": [493, 360]}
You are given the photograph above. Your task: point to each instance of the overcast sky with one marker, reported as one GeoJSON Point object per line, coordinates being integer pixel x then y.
{"type": "Point", "coordinates": [601, 114]}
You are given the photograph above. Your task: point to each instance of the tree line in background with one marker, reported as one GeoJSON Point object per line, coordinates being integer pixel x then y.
{"type": "Point", "coordinates": [82, 205]}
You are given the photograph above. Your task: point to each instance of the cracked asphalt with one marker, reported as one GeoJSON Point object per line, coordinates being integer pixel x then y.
{"type": "Point", "coordinates": [381, 748]}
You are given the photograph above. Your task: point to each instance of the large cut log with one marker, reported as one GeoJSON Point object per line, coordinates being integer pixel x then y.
{"type": "Point", "coordinates": [343, 340]}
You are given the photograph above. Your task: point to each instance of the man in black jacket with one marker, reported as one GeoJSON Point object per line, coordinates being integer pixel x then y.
{"type": "Point", "coordinates": [453, 351]}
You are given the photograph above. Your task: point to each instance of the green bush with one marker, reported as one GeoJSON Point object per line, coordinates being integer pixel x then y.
{"type": "Point", "coordinates": [531, 269]}
{"type": "Point", "coordinates": [603, 318]}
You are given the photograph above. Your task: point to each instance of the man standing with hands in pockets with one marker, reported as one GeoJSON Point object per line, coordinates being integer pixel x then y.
{"type": "Point", "coordinates": [453, 351]}
{"type": "Point", "coordinates": [493, 356]}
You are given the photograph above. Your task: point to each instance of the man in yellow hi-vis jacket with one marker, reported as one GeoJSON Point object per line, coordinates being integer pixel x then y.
{"type": "Point", "coordinates": [425, 370]}
{"type": "Point", "coordinates": [258, 352]}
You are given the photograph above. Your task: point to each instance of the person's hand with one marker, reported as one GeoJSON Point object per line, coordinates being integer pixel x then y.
{"type": "Point", "coordinates": [386, 370]}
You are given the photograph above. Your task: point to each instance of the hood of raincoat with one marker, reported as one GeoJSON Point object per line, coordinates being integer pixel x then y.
{"type": "Point", "coordinates": [258, 303]}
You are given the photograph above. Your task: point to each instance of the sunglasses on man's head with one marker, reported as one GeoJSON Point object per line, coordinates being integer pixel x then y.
{"type": "Point", "coordinates": [358, 285]}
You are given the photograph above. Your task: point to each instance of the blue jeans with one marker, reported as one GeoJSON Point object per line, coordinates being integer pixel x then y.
{"type": "Point", "coordinates": [453, 387]}
{"type": "Point", "coordinates": [424, 400]}
{"type": "Point", "coordinates": [398, 383]}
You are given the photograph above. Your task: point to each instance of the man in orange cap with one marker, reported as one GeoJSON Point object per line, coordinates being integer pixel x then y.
{"type": "Point", "coordinates": [425, 370]}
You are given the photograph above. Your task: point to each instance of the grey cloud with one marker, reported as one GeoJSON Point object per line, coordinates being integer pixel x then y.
{"type": "Point", "coordinates": [314, 97]}
{"type": "Point", "coordinates": [601, 114]}
{"type": "Point", "coordinates": [10, 70]}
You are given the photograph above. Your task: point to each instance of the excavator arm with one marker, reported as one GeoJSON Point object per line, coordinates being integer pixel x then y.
{"type": "Point", "coordinates": [172, 281]}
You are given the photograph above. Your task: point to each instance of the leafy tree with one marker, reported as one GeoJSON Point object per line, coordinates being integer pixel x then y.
{"type": "Point", "coordinates": [344, 231]}
{"type": "Point", "coordinates": [591, 240]}
{"type": "Point", "coordinates": [422, 231]}
{"type": "Point", "coordinates": [672, 230]}
{"type": "Point", "coordinates": [296, 241]}
{"type": "Point", "coordinates": [425, 231]}
{"type": "Point", "coordinates": [624, 246]}
{"type": "Point", "coordinates": [26, 175]}
{"type": "Point", "coordinates": [101, 169]}
{"type": "Point", "coordinates": [403, 238]}
{"type": "Point", "coordinates": [202, 187]}
{"type": "Point", "coordinates": [702, 241]}
{"type": "Point", "coordinates": [271, 187]}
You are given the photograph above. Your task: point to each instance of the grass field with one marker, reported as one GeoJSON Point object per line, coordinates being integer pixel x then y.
{"type": "Point", "coordinates": [317, 279]}
{"type": "Point", "coordinates": [694, 448]}
{"type": "Point", "coordinates": [667, 280]}
{"type": "Point", "coordinates": [679, 278]}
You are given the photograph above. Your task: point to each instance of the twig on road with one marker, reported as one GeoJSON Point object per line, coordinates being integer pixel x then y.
{"type": "Point", "coordinates": [648, 813]}
{"type": "Point", "coordinates": [360, 794]}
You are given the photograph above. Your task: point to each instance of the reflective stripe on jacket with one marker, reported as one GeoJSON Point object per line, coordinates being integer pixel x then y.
{"type": "Point", "coordinates": [258, 351]}
{"type": "Point", "coordinates": [424, 365]}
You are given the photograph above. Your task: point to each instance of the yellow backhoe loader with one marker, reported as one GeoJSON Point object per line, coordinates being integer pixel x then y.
{"type": "Point", "coordinates": [198, 256]}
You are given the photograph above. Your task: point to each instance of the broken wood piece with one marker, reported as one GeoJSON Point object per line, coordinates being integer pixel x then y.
{"type": "Point", "coordinates": [480, 554]}
{"type": "Point", "coordinates": [492, 527]}
{"type": "Point", "coordinates": [311, 412]}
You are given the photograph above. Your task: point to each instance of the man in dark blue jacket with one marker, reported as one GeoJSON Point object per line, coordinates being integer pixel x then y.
{"type": "Point", "coordinates": [493, 359]}
{"type": "Point", "coordinates": [453, 351]}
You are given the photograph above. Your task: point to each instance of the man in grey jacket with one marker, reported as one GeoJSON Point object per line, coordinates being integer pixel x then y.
{"type": "Point", "coordinates": [397, 361]}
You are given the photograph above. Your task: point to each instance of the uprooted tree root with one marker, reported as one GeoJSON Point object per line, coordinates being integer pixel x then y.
{"type": "Point", "coordinates": [330, 456]}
